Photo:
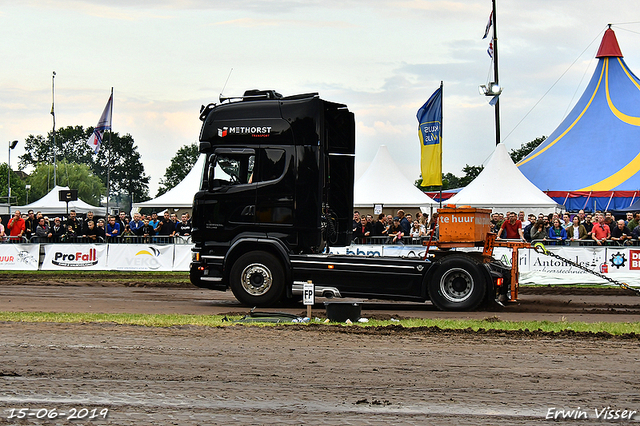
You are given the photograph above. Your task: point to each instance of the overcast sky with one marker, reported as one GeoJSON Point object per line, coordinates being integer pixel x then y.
{"type": "Point", "coordinates": [381, 58]}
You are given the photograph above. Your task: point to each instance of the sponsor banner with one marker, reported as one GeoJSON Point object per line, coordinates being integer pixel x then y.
{"type": "Point", "coordinates": [404, 251]}
{"type": "Point", "coordinates": [19, 257]}
{"type": "Point", "coordinates": [358, 250]}
{"type": "Point", "coordinates": [503, 254]}
{"type": "Point", "coordinates": [380, 250]}
{"type": "Point", "coordinates": [182, 257]}
{"type": "Point", "coordinates": [370, 250]}
{"type": "Point", "coordinates": [618, 263]}
{"type": "Point", "coordinates": [140, 257]}
{"type": "Point", "coordinates": [74, 256]}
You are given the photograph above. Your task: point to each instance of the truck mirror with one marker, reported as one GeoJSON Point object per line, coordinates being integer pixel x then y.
{"type": "Point", "coordinates": [210, 171]}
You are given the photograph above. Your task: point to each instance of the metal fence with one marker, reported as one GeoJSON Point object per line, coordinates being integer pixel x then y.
{"type": "Point", "coordinates": [585, 243]}
{"type": "Point", "coordinates": [384, 240]}
{"type": "Point", "coordinates": [547, 241]}
{"type": "Point", "coordinates": [156, 239]}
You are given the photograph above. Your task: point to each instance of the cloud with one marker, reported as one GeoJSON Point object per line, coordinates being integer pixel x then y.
{"type": "Point", "coordinates": [259, 22]}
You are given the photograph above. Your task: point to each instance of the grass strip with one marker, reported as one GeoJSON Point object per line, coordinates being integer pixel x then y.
{"type": "Point", "coordinates": [168, 320]}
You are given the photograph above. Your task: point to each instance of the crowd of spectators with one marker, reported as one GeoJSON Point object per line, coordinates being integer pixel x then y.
{"type": "Point", "coordinates": [600, 228]}
{"type": "Point", "coordinates": [35, 227]}
{"type": "Point", "coordinates": [392, 229]}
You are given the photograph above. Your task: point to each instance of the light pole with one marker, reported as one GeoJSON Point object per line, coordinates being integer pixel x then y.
{"type": "Point", "coordinates": [493, 89]}
{"type": "Point", "coordinates": [12, 145]}
{"type": "Point", "coordinates": [27, 187]}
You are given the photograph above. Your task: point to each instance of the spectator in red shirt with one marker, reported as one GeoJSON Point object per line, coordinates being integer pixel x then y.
{"type": "Point", "coordinates": [513, 228]}
{"type": "Point", "coordinates": [16, 226]}
{"type": "Point", "coordinates": [600, 231]}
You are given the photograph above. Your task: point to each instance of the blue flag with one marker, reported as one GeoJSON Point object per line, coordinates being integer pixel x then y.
{"type": "Point", "coordinates": [430, 132]}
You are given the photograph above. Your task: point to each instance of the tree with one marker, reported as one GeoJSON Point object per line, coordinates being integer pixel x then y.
{"type": "Point", "coordinates": [526, 149]}
{"type": "Point", "coordinates": [451, 181]}
{"type": "Point", "coordinates": [128, 182]}
{"type": "Point", "coordinates": [470, 173]}
{"type": "Point", "coordinates": [181, 164]}
{"type": "Point", "coordinates": [71, 145]}
{"type": "Point", "coordinates": [18, 190]}
{"type": "Point", "coordinates": [75, 176]}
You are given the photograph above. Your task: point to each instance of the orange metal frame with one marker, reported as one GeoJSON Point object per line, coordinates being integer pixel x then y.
{"type": "Point", "coordinates": [514, 246]}
{"type": "Point", "coordinates": [469, 227]}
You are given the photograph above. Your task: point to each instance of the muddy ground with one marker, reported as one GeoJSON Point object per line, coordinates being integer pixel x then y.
{"type": "Point", "coordinates": [319, 374]}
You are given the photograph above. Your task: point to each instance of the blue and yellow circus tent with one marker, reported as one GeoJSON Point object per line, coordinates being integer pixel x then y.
{"type": "Point", "coordinates": [602, 129]}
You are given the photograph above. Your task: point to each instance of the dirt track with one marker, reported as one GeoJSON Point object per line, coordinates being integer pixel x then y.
{"type": "Point", "coordinates": [306, 375]}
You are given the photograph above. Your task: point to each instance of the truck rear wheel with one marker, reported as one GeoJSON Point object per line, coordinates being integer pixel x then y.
{"type": "Point", "coordinates": [257, 279]}
{"type": "Point", "coordinates": [457, 284]}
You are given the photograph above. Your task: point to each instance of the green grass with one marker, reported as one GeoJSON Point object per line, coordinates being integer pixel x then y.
{"type": "Point", "coordinates": [106, 276]}
{"type": "Point", "coordinates": [492, 323]}
{"type": "Point", "coordinates": [150, 320]}
{"type": "Point", "coordinates": [95, 273]}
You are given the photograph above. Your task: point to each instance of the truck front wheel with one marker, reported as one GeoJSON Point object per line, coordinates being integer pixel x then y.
{"type": "Point", "coordinates": [457, 284]}
{"type": "Point", "coordinates": [257, 279]}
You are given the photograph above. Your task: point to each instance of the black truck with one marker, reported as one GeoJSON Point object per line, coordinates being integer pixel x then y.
{"type": "Point", "coordinates": [277, 193]}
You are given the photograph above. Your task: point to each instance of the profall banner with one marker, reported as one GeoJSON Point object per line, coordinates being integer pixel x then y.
{"type": "Point", "coordinates": [74, 257]}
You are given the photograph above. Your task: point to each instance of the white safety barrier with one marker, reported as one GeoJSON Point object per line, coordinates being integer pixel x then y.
{"type": "Point", "coordinates": [618, 262]}
{"type": "Point", "coordinates": [77, 257]}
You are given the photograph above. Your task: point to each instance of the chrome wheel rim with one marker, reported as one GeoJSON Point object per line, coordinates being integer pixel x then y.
{"type": "Point", "coordinates": [456, 285]}
{"type": "Point", "coordinates": [256, 279]}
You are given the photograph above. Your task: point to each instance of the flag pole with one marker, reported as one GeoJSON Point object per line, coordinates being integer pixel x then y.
{"type": "Point", "coordinates": [109, 151]}
{"type": "Point", "coordinates": [441, 130]}
{"type": "Point", "coordinates": [495, 70]}
{"type": "Point", "coordinates": [53, 102]}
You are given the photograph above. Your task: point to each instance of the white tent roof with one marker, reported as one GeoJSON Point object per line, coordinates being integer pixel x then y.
{"type": "Point", "coordinates": [502, 187]}
{"type": "Point", "coordinates": [50, 204]}
{"type": "Point", "coordinates": [384, 183]}
{"type": "Point", "coordinates": [181, 195]}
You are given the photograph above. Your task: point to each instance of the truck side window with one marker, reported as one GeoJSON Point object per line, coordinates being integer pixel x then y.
{"type": "Point", "coordinates": [272, 163]}
{"type": "Point", "coordinates": [230, 169]}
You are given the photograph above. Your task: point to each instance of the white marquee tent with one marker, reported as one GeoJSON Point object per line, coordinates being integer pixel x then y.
{"type": "Point", "coordinates": [50, 204]}
{"type": "Point", "coordinates": [181, 195]}
{"type": "Point", "coordinates": [384, 183]}
{"type": "Point", "coordinates": [502, 187]}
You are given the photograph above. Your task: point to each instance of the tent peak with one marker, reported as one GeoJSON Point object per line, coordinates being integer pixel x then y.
{"type": "Point", "coordinates": [609, 45]}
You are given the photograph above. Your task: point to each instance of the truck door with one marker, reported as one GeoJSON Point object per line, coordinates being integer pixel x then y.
{"type": "Point", "coordinates": [231, 197]}
{"type": "Point", "coordinates": [276, 187]}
